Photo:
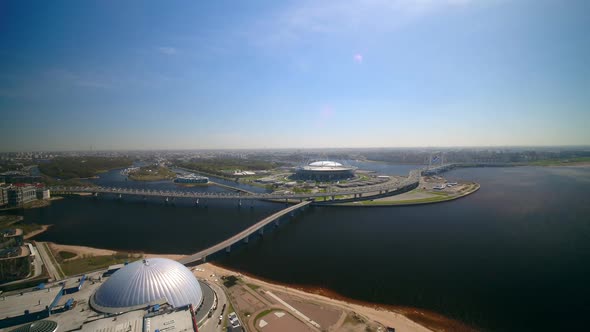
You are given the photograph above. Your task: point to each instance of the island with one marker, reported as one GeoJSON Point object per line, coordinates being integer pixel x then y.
{"type": "Point", "coordinates": [150, 173]}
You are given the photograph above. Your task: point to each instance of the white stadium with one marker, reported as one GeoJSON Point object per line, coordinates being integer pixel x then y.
{"type": "Point", "coordinates": [325, 171]}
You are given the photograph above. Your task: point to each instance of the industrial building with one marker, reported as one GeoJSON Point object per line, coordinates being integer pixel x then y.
{"type": "Point", "coordinates": [324, 171]}
{"type": "Point", "coordinates": [146, 295]}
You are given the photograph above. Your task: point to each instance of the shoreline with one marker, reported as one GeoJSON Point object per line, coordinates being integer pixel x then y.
{"type": "Point", "coordinates": [383, 313]}
{"type": "Point", "coordinates": [37, 232]}
{"type": "Point", "coordinates": [80, 251]}
{"type": "Point", "coordinates": [409, 202]}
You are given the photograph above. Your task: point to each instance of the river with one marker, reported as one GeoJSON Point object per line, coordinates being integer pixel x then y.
{"type": "Point", "coordinates": [514, 256]}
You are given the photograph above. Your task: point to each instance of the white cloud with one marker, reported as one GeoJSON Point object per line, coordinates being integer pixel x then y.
{"type": "Point", "coordinates": [351, 16]}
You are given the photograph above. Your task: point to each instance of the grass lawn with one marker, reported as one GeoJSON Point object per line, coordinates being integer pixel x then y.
{"type": "Point", "coordinates": [92, 263]}
{"type": "Point", "coordinates": [63, 255]}
{"type": "Point", "coordinates": [254, 287]}
{"type": "Point", "coordinates": [262, 314]}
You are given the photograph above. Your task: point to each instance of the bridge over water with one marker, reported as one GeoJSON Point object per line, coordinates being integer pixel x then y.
{"type": "Point", "coordinates": [243, 235]}
{"type": "Point", "coordinates": [352, 194]}
{"type": "Point", "coordinates": [386, 189]}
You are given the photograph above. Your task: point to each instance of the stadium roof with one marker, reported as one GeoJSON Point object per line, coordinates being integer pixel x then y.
{"type": "Point", "coordinates": [146, 282]}
{"type": "Point", "coordinates": [325, 163]}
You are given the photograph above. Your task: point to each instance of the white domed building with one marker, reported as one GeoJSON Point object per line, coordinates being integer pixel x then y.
{"type": "Point", "coordinates": [148, 282]}
{"type": "Point", "coordinates": [325, 171]}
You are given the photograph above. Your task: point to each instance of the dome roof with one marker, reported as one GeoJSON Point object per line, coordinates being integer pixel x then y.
{"type": "Point", "coordinates": [325, 163]}
{"type": "Point", "coordinates": [143, 282]}
{"type": "Point", "coordinates": [38, 326]}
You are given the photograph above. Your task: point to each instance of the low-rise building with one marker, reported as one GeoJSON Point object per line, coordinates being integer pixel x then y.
{"type": "Point", "coordinates": [3, 195]}
{"type": "Point", "coordinates": [43, 193]}
{"type": "Point", "coordinates": [21, 194]}
{"type": "Point", "coordinates": [11, 238]}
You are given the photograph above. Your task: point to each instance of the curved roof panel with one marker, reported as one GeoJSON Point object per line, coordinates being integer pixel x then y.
{"type": "Point", "coordinates": [325, 163]}
{"type": "Point", "coordinates": [151, 280]}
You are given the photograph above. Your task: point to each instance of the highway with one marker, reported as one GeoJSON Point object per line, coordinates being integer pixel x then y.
{"type": "Point", "coordinates": [390, 186]}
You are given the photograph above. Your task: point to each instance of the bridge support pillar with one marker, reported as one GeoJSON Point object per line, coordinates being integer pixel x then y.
{"type": "Point", "coordinates": [276, 222]}
{"type": "Point", "coordinates": [120, 196]}
{"type": "Point", "coordinates": [261, 231]}
{"type": "Point", "coordinates": [166, 200]}
{"type": "Point", "coordinates": [204, 259]}
{"type": "Point", "coordinates": [333, 197]}
{"type": "Point", "coordinates": [228, 249]}
{"type": "Point", "coordinates": [246, 239]}
{"type": "Point", "coordinates": [197, 202]}
{"type": "Point", "coordinates": [240, 203]}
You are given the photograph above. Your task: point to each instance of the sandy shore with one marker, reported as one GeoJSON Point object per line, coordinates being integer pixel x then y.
{"type": "Point", "coordinates": [404, 318]}
{"type": "Point", "coordinates": [37, 232]}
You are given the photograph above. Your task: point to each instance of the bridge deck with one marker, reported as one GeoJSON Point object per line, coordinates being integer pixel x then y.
{"type": "Point", "coordinates": [241, 235]}
{"type": "Point", "coordinates": [413, 178]}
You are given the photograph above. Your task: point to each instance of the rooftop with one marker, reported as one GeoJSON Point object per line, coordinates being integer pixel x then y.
{"type": "Point", "coordinates": [35, 301]}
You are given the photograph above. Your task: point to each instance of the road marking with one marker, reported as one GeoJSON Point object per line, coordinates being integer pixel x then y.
{"type": "Point", "coordinates": [297, 312]}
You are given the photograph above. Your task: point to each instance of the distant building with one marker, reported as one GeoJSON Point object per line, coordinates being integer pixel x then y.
{"type": "Point", "coordinates": [3, 195]}
{"type": "Point", "coordinates": [43, 193]}
{"type": "Point", "coordinates": [21, 194]}
{"type": "Point", "coordinates": [325, 171]}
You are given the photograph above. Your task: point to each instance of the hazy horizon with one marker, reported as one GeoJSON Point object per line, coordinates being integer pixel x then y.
{"type": "Point", "coordinates": [108, 76]}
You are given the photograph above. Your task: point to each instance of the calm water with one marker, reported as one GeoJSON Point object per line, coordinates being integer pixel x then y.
{"type": "Point", "coordinates": [515, 256]}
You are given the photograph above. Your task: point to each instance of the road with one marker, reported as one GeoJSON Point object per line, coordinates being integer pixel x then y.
{"type": "Point", "coordinates": [210, 324]}
{"type": "Point", "coordinates": [391, 187]}
{"type": "Point", "coordinates": [51, 268]}
{"type": "Point", "coordinates": [37, 261]}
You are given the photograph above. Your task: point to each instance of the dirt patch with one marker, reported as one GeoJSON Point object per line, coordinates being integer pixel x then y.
{"type": "Point", "coordinates": [402, 318]}
{"type": "Point", "coordinates": [82, 251]}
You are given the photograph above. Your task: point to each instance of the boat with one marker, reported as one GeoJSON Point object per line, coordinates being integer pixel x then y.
{"type": "Point", "coordinates": [191, 178]}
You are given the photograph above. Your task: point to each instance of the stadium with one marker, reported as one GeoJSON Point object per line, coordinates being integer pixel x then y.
{"type": "Point", "coordinates": [148, 282]}
{"type": "Point", "coordinates": [324, 171]}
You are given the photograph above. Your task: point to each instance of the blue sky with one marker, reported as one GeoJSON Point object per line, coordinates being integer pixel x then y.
{"type": "Point", "coordinates": [303, 74]}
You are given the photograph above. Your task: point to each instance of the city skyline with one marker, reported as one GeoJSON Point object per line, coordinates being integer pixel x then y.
{"type": "Point", "coordinates": [401, 73]}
